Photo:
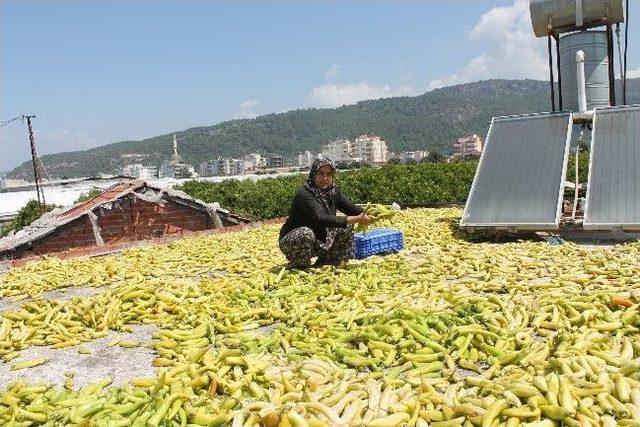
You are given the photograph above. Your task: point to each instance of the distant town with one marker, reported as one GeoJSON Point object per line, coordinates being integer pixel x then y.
{"type": "Point", "coordinates": [371, 150]}
{"type": "Point", "coordinates": [363, 150]}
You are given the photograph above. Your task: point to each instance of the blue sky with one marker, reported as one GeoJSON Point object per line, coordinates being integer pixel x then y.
{"type": "Point", "coordinates": [96, 72]}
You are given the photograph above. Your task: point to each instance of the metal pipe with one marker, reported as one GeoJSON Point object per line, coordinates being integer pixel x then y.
{"type": "Point", "coordinates": [576, 181]}
{"type": "Point", "coordinates": [626, 41]}
{"type": "Point", "coordinates": [557, 38]}
{"type": "Point", "coordinates": [582, 89]}
{"type": "Point", "coordinates": [612, 77]}
{"type": "Point", "coordinates": [553, 96]}
{"type": "Point", "coordinates": [579, 17]}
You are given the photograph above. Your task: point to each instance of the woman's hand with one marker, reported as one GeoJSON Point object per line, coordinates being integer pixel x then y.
{"type": "Point", "coordinates": [363, 219]}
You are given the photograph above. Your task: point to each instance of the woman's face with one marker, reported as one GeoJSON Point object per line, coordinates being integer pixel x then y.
{"type": "Point", "coordinates": [324, 177]}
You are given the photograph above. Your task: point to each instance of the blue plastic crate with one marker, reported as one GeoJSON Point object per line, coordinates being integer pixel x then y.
{"type": "Point", "coordinates": [380, 240]}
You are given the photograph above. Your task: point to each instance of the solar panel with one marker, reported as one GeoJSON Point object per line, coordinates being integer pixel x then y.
{"type": "Point", "coordinates": [520, 178]}
{"type": "Point", "coordinates": [613, 190]}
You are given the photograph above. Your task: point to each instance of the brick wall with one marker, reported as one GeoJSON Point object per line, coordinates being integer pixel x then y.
{"type": "Point", "coordinates": [129, 220]}
{"type": "Point", "coordinates": [135, 219]}
{"type": "Point", "coordinates": [77, 234]}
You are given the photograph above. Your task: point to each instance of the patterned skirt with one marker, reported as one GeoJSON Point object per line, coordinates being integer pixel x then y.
{"type": "Point", "coordinates": [300, 245]}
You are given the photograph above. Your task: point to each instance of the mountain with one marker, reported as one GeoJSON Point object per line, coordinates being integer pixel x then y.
{"type": "Point", "coordinates": [430, 121]}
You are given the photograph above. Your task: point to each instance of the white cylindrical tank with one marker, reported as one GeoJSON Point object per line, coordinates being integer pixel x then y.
{"type": "Point", "coordinates": [596, 68]}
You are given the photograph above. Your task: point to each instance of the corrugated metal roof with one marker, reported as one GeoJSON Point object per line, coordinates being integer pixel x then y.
{"type": "Point", "coordinates": [613, 192]}
{"type": "Point", "coordinates": [520, 177]}
{"type": "Point", "coordinates": [52, 221]}
{"type": "Point", "coordinates": [110, 194]}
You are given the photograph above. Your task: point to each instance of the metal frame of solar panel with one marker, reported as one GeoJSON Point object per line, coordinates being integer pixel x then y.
{"type": "Point", "coordinates": [613, 188]}
{"type": "Point", "coordinates": [519, 182]}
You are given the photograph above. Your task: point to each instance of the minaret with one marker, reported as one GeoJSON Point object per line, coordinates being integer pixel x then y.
{"type": "Point", "coordinates": [175, 145]}
{"type": "Point", "coordinates": [175, 157]}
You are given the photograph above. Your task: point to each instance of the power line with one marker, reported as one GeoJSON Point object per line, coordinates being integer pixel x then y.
{"type": "Point", "coordinates": [6, 122]}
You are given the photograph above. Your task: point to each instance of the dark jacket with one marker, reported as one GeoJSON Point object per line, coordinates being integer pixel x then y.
{"type": "Point", "coordinates": [307, 211]}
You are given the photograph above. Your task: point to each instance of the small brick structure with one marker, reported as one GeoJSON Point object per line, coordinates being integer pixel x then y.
{"type": "Point", "coordinates": [125, 212]}
{"type": "Point", "coordinates": [93, 251]}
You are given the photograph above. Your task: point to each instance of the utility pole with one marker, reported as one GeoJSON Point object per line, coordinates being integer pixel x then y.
{"type": "Point", "coordinates": [34, 160]}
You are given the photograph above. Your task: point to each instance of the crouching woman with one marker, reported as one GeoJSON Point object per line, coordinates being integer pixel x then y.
{"type": "Point", "coordinates": [313, 228]}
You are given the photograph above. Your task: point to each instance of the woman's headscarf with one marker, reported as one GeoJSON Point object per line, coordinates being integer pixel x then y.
{"type": "Point", "coordinates": [321, 195]}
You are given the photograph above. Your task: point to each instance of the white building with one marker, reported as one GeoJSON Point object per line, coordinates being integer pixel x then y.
{"type": "Point", "coordinates": [412, 156]}
{"type": "Point", "coordinates": [305, 159]}
{"type": "Point", "coordinates": [176, 170]}
{"type": "Point", "coordinates": [253, 161]}
{"type": "Point", "coordinates": [338, 150]}
{"type": "Point", "coordinates": [216, 167]}
{"type": "Point", "coordinates": [467, 146]}
{"type": "Point", "coordinates": [166, 170]}
{"type": "Point", "coordinates": [137, 170]}
{"type": "Point", "coordinates": [202, 169]}
{"type": "Point", "coordinates": [370, 148]}
{"type": "Point", "coordinates": [236, 166]}
{"type": "Point", "coordinates": [276, 161]}
{"type": "Point", "coordinates": [222, 167]}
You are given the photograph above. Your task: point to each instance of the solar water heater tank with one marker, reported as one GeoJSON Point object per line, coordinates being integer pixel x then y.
{"type": "Point", "coordinates": [563, 14]}
{"type": "Point", "coordinates": [520, 181]}
{"type": "Point", "coordinates": [596, 68]}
